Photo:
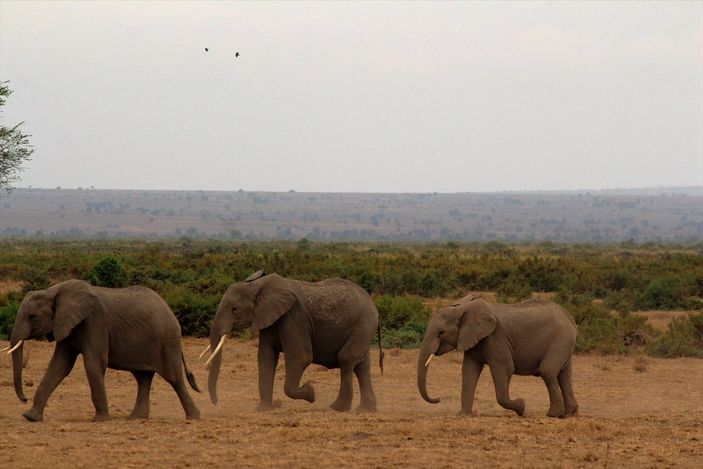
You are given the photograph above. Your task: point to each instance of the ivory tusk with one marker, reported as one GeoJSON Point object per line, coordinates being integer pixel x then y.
{"type": "Point", "coordinates": [217, 350]}
{"type": "Point", "coordinates": [204, 352]}
{"type": "Point", "coordinates": [17, 345]}
{"type": "Point", "coordinates": [429, 359]}
{"type": "Point", "coordinates": [5, 349]}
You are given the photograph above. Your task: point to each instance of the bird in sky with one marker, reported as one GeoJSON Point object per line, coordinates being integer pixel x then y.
{"type": "Point", "coordinates": [206, 49]}
{"type": "Point", "coordinates": [236, 54]}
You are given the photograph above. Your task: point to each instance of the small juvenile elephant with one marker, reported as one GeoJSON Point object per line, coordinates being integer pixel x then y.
{"type": "Point", "coordinates": [532, 338]}
{"type": "Point", "coordinates": [130, 329]}
{"type": "Point", "coordinates": [329, 323]}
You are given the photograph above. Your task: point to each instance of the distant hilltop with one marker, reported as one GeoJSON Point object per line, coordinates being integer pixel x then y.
{"type": "Point", "coordinates": [671, 214]}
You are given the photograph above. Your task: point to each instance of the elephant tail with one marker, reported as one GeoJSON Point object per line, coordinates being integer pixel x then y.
{"type": "Point", "coordinates": [189, 376]}
{"type": "Point", "coordinates": [380, 350]}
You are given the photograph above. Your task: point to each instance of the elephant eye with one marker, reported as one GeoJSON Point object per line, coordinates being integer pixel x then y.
{"type": "Point", "coordinates": [441, 333]}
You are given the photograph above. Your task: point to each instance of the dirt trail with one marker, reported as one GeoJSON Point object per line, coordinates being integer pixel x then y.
{"type": "Point", "coordinates": [628, 418]}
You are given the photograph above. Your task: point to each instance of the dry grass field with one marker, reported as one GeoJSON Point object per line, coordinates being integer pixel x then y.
{"type": "Point", "coordinates": [634, 412]}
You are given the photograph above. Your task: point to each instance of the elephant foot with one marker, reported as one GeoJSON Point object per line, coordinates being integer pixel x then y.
{"type": "Point", "coordinates": [467, 413]}
{"type": "Point", "coordinates": [341, 406]}
{"type": "Point", "coordinates": [308, 392]}
{"type": "Point", "coordinates": [193, 415]}
{"type": "Point", "coordinates": [519, 407]}
{"type": "Point", "coordinates": [33, 415]}
{"type": "Point", "coordinates": [556, 414]}
{"type": "Point", "coordinates": [366, 407]}
{"type": "Point", "coordinates": [101, 418]}
{"type": "Point", "coordinates": [572, 411]}
{"type": "Point", "coordinates": [138, 415]}
{"type": "Point", "coordinates": [265, 406]}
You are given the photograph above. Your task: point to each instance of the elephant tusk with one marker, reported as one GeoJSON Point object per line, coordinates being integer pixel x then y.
{"type": "Point", "coordinates": [429, 359]}
{"type": "Point", "coordinates": [204, 352]}
{"type": "Point", "coordinates": [5, 349]}
{"type": "Point", "coordinates": [217, 350]}
{"type": "Point", "coordinates": [17, 345]}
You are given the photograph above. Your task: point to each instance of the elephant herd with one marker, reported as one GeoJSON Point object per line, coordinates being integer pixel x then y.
{"type": "Point", "coordinates": [329, 323]}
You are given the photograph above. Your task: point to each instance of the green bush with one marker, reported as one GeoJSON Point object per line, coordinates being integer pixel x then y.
{"type": "Point", "coordinates": [35, 279]}
{"type": "Point", "coordinates": [194, 311]}
{"type": "Point", "coordinates": [599, 335]}
{"type": "Point", "coordinates": [108, 273]}
{"type": "Point", "coordinates": [668, 292]}
{"type": "Point", "coordinates": [620, 300]}
{"type": "Point", "coordinates": [403, 320]}
{"type": "Point", "coordinates": [682, 339]}
{"type": "Point", "coordinates": [8, 312]}
{"type": "Point", "coordinates": [697, 321]}
{"type": "Point", "coordinates": [513, 290]}
{"type": "Point", "coordinates": [601, 331]}
{"type": "Point", "coordinates": [408, 336]}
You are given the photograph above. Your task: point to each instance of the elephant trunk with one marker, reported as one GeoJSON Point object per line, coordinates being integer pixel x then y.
{"type": "Point", "coordinates": [429, 346]}
{"type": "Point", "coordinates": [218, 333]}
{"type": "Point", "coordinates": [17, 364]}
{"type": "Point", "coordinates": [213, 375]}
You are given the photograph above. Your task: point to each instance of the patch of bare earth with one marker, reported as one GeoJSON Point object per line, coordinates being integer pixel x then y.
{"type": "Point", "coordinates": [660, 319]}
{"type": "Point", "coordinates": [7, 286]}
{"type": "Point", "coordinates": [630, 416]}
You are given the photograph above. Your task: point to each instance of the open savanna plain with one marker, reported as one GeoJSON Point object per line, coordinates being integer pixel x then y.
{"type": "Point", "coordinates": [634, 412]}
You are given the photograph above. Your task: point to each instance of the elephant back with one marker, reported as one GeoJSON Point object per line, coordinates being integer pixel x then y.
{"type": "Point", "coordinates": [332, 299]}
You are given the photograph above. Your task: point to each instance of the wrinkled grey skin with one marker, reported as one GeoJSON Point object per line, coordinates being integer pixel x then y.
{"type": "Point", "coordinates": [130, 329]}
{"type": "Point", "coordinates": [535, 337]}
{"type": "Point", "coordinates": [329, 323]}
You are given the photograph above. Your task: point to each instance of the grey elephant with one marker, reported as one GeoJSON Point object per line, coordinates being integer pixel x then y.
{"type": "Point", "coordinates": [532, 338]}
{"type": "Point", "coordinates": [329, 323]}
{"type": "Point", "coordinates": [130, 329]}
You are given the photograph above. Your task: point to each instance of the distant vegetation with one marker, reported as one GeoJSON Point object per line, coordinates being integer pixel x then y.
{"type": "Point", "coordinates": [599, 284]}
{"type": "Point", "coordinates": [603, 217]}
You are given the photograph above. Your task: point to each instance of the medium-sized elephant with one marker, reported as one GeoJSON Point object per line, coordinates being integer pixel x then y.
{"type": "Point", "coordinates": [532, 338]}
{"type": "Point", "coordinates": [130, 329]}
{"type": "Point", "coordinates": [329, 323]}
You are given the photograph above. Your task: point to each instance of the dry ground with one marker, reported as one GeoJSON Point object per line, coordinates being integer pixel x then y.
{"type": "Point", "coordinates": [634, 412]}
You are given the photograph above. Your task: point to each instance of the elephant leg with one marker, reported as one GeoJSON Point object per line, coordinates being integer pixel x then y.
{"type": "Point", "coordinates": [571, 407]}
{"type": "Point", "coordinates": [95, 367]}
{"type": "Point", "coordinates": [174, 377]}
{"type": "Point", "coordinates": [346, 388]}
{"type": "Point", "coordinates": [348, 358]}
{"type": "Point", "coordinates": [549, 369]}
{"type": "Point", "coordinates": [556, 405]}
{"type": "Point", "coordinates": [363, 375]}
{"type": "Point", "coordinates": [501, 381]}
{"type": "Point", "coordinates": [59, 367]}
{"type": "Point", "coordinates": [294, 371]}
{"type": "Point", "coordinates": [470, 371]}
{"type": "Point", "coordinates": [268, 360]}
{"type": "Point", "coordinates": [141, 406]}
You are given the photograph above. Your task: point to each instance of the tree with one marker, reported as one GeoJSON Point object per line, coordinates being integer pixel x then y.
{"type": "Point", "coordinates": [14, 146]}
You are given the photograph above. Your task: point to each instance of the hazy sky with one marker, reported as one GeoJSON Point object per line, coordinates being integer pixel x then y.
{"type": "Point", "coordinates": [367, 97]}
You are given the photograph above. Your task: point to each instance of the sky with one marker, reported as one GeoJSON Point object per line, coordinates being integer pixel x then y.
{"type": "Point", "coordinates": [357, 97]}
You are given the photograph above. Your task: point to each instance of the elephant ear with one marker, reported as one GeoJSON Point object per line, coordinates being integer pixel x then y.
{"type": "Point", "coordinates": [476, 322]}
{"type": "Point", "coordinates": [274, 299]}
{"type": "Point", "coordinates": [73, 303]}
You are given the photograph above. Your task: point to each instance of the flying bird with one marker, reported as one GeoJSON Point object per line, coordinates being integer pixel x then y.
{"type": "Point", "coordinates": [236, 54]}
{"type": "Point", "coordinates": [206, 49]}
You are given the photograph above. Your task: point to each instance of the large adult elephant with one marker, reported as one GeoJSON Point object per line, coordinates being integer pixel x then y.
{"type": "Point", "coordinates": [329, 323]}
{"type": "Point", "coordinates": [535, 337]}
{"type": "Point", "coordinates": [130, 329]}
